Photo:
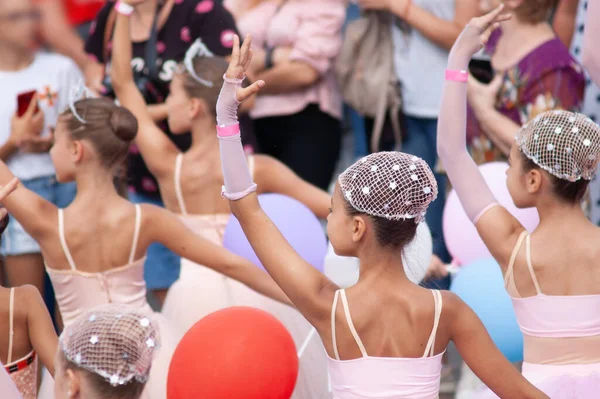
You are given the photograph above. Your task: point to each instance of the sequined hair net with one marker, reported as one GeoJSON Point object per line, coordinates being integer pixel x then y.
{"type": "Point", "coordinates": [391, 185]}
{"type": "Point", "coordinates": [565, 144]}
{"type": "Point", "coordinates": [116, 342]}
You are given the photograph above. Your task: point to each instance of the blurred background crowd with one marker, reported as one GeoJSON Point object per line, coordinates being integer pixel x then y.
{"type": "Point", "coordinates": [326, 64]}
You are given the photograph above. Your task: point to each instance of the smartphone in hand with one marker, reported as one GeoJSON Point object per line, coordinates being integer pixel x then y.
{"type": "Point", "coordinates": [481, 70]}
{"type": "Point", "coordinates": [23, 101]}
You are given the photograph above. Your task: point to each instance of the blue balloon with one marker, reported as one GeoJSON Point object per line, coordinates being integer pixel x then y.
{"type": "Point", "coordinates": [296, 222]}
{"type": "Point", "coordinates": [481, 286]}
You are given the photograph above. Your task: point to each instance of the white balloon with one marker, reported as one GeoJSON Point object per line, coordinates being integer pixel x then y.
{"type": "Point", "coordinates": [344, 271]}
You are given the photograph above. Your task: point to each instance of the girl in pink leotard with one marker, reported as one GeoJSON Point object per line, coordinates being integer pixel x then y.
{"type": "Point", "coordinates": [190, 186]}
{"type": "Point", "coordinates": [552, 274]}
{"type": "Point", "coordinates": [94, 249]}
{"type": "Point", "coordinates": [27, 331]}
{"type": "Point", "coordinates": [385, 336]}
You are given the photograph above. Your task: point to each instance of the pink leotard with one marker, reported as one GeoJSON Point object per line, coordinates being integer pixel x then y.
{"type": "Point", "coordinates": [385, 377]}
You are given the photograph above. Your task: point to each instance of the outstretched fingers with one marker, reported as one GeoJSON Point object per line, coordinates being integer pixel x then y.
{"type": "Point", "coordinates": [491, 19]}
{"type": "Point", "coordinates": [247, 92]}
{"type": "Point", "coordinates": [245, 52]}
{"type": "Point", "coordinates": [235, 52]}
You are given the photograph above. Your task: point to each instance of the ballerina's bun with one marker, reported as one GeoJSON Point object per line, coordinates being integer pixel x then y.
{"type": "Point", "coordinates": [123, 124]}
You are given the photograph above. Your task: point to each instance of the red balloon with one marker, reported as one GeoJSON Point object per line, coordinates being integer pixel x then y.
{"type": "Point", "coordinates": [234, 353]}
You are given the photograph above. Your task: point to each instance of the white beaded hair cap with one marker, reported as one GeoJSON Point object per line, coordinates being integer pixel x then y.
{"type": "Point", "coordinates": [563, 143]}
{"type": "Point", "coordinates": [391, 185]}
{"type": "Point", "coordinates": [116, 342]}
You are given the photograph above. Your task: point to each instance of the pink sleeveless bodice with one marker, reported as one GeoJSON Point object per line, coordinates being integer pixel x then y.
{"type": "Point", "coordinates": [557, 330]}
{"type": "Point", "coordinates": [381, 377]}
{"type": "Point", "coordinates": [76, 290]}
{"type": "Point", "coordinates": [23, 371]}
{"type": "Point", "coordinates": [210, 227]}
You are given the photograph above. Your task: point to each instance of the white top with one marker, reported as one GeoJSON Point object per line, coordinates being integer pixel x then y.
{"type": "Point", "coordinates": [52, 76]}
{"type": "Point", "coordinates": [420, 64]}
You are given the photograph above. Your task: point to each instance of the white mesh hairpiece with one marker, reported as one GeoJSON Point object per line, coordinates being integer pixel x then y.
{"type": "Point", "coordinates": [197, 49]}
{"type": "Point", "coordinates": [391, 185]}
{"type": "Point", "coordinates": [116, 342]}
{"type": "Point", "coordinates": [77, 93]}
{"type": "Point", "coordinates": [565, 144]}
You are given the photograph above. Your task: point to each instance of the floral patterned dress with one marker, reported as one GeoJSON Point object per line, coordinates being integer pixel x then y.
{"type": "Point", "coordinates": [547, 78]}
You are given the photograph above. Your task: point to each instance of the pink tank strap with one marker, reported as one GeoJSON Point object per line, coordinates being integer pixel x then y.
{"type": "Point", "coordinates": [177, 182]}
{"type": "Point", "coordinates": [333, 339]}
{"type": "Point", "coordinates": [513, 257]}
{"type": "Point", "coordinates": [63, 240]}
{"type": "Point", "coordinates": [351, 324]}
{"type": "Point", "coordinates": [437, 303]}
{"type": "Point", "coordinates": [11, 332]}
{"type": "Point", "coordinates": [136, 232]}
{"type": "Point", "coordinates": [530, 265]}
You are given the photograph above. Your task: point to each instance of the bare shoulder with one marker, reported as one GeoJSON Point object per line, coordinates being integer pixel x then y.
{"type": "Point", "coordinates": [454, 311]}
{"type": "Point", "coordinates": [27, 298]}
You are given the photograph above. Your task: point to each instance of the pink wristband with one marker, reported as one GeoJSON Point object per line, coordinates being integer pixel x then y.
{"type": "Point", "coordinates": [228, 131]}
{"type": "Point", "coordinates": [124, 8]}
{"type": "Point", "coordinates": [456, 76]}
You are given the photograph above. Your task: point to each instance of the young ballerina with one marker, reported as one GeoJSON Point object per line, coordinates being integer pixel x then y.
{"type": "Point", "coordinates": [392, 345]}
{"type": "Point", "coordinates": [107, 353]}
{"type": "Point", "coordinates": [552, 274]}
{"type": "Point", "coordinates": [190, 186]}
{"type": "Point", "coordinates": [94, 249]}
{"type": "Point", "coordinates": [28, 331]}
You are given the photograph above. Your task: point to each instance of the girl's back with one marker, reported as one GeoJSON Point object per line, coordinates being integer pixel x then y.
{"type": "Point", "coordinates": [390, 323]}
{"type": "Point", "coordinates": [98, 239]}
{"type": "Point", "coordinates": [27, 333]}
{"type": "Point", "coordinates": [396, 351]}
{"type": "Point", "coordinates": [20, 342]}
{"type": "Point", "coordinates": [565, 260]}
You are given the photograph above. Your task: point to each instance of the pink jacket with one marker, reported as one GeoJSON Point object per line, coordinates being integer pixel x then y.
{"type": "Point", "coordinates": [313, 29]}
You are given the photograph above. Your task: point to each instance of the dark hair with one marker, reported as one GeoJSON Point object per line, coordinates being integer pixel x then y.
{"type": "Point", "coordinates": [571, 192]}
{"type": "Point", "coordinates": [108, 127]}
{"type": "Point", "coordinates": [132, 390]}
{"type": "Point", "coordinates": [393, 234]}
{"type": "Point", "coordinates": [535, 11]}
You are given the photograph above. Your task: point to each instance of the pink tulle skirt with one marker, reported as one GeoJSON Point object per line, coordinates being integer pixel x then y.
{"type": "Point", "coordinates": [570, 381]}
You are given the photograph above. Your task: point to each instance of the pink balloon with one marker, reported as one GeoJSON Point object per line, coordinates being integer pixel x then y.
{"type": "Point", "coordinates": [461, 237]}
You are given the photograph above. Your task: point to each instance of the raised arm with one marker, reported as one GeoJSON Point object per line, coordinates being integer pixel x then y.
{"type": "Point", "coordinates": [496, 226]}
{"type": "Point", "coordinates": [273, 176]}
{"type": "Point", "coordinates": [164, 227]}
{"type": "Point", "coordinates": [591, 53]}
{"type": "Point", "coordinates": [41, 330]}
{"type": "Point", "coordinates": [442, 32]}
{"type": "Point", "coordinates": [481, 354]}
{"type": "Point", "coordinates": [156, 148]}
{"type": "Point", "coordinates": [36, 215]}
{"type": "Point", "coordinates": [308, 289]}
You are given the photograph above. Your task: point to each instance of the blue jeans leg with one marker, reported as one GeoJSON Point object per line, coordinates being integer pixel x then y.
{"type": "Point", "coordinates": [421, 141]}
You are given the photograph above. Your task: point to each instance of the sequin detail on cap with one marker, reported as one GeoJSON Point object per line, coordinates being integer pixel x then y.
{"type": "Point", "coordinates": [117, 342]}
{"type": "Point", "coordinates": [563, 143]}
{"type": "Point", "coordinates": [391, 185]}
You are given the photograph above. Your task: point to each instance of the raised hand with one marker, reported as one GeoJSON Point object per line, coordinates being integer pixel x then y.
{"type": "Point", "coordinates": [477, 32]}
{"type": "Point", "coordinates": [241, 59]}
{"type": "Point", "coordinates": [29, 125]}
